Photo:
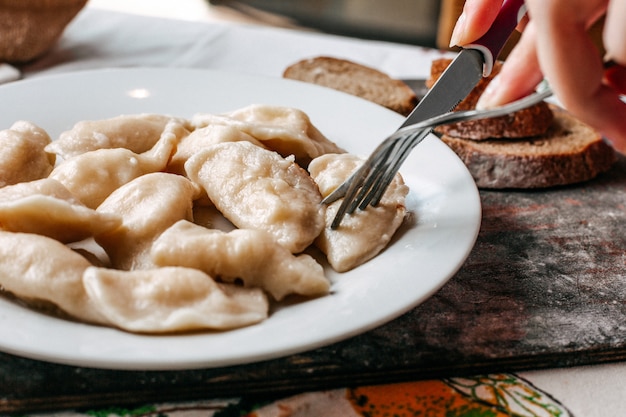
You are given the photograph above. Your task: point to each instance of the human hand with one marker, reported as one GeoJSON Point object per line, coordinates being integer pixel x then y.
{"type": "Point", "coordinates": [555, 45]}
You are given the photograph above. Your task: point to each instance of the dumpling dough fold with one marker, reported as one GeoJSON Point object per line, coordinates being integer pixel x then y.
{"type": "Point", "coordinates": [22, 155]}
{"type": "Point", "coordinates": [36, 268]}
{"type": "Point", "coordinates": [256, 188]}
{"type": "Point", "coordinates": [172, 300]}
{"type": "Point", "coordinates": [204, 137]}
{"type": "Point", "coordinates": [252, 256]}
{"type": "Point", "coordinates": [148, 205]}
{"type": "Point", "coordinates": [363, 234]}
{"type": "Point", "coordinates": [47, 208]}
{"type": "Point", "coordinates": [136, 132]}
{"type": "Point", "coordinates": [286, 130]}
{"type": "Point", "coordinates": [92, 176]}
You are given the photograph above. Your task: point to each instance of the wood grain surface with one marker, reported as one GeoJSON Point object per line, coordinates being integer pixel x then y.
{"type": "Point", "coordinates": [545, 286]}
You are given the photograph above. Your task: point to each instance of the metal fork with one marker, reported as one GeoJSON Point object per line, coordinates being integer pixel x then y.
{"type": "Point", "coordinates": [367, 185]}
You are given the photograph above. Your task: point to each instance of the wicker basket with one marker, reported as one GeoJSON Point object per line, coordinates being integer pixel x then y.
{"type": "Point", "coordinates": [28, 28]}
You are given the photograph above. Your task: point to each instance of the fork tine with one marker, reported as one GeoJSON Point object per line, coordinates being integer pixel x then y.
{"type": "Point", "coordinates": [367, 185]}
{"type": "Point", "coordinates": [405, 145]}
{"type": "Point", "coordinates": [373, 178]}
{"type": "Point", "coordinates": [370, 177]}
{"type": "Point", "coordinates": [377, 178]}
{"type": "Point", "coordinates": [348, 198]}
{"type": "Point", "coordinates": [356, 182]}
{"type": "Point", "coordinates": [358, 175]}
{"type": "Point", "coordinates": [408, 143]}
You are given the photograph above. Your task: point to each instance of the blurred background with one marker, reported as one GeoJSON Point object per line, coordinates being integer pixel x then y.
{"type": "Point", "coordinates": [30, 26]}
{"type": "Point", "coordinates": [417, 22]}
{"type": "Point", "coordinates": [426, 23]}
{"type": "Point", "coordinates": [408, 21]}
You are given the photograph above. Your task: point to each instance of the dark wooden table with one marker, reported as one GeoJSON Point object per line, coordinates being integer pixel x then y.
{"type": "Point", "coordinates": [545, 286]}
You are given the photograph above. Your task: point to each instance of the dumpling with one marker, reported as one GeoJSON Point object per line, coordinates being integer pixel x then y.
{"type": "Point", "coordinates": [202, 138]}
{"type": "Point", "coordinates": [22, 155]}
{"type": "Point", "coordinates": [172, 300]}
{"type": "Point", "coordinates": [47, 208]}
{"type": "Point", "coordinates": [93, 175]}
{"type": "Point", "coordinates": [252, 256]}
{"type": "Point", "coordinates": [258, 189]}
{"type": "Point", "coordinates": [285, 130]}
{"type": "Point", "coordinates": [43, 271]}
{"type": "Point", "coordinates": [363, 234]}
{"type": "Point", "coordinates": [148, 205]}
{"type": "Point", "coordinates": [137, 133]}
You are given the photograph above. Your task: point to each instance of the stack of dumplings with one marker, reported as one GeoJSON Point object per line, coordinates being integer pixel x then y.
{"type": "Point", "coordinates": [102, 225]}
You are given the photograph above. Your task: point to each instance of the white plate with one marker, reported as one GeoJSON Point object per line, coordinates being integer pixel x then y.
{"type": "Point", "coordinates": [423, 256]}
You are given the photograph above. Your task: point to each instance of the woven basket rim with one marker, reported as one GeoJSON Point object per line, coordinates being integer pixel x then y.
{"type": "Point", "coordinates": [33, 26]}
{"type": "Point", "coordinates": [39, 4]}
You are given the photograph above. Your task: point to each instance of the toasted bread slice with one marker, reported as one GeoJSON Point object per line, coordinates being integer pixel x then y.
{"type": "Point", "coordinates": [356, 79]}
{"type": "Point", "coordinates": [532, 121]}
{"type": "Point", "coordinates": [569, 152]}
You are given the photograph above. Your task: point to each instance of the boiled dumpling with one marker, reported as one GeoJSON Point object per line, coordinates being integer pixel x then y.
{"type": "Point", "coordinates": [258, 189]}
{"type": "Point", "coordinates": [41, 270]}
{"type": "Point", "coordinates": [47, 208]}
{"type": "Point", "coordinates": [172, 300]}
{"type": "Point", "coordinates": [93, 175]}
{"type": "Point", "coordinates": [137, 133]}
{"type": "Point", "coordinates": [286, 130]}
{"type": "Point", "coordinates": [363, 234]}
{"type": "Point", "coordinates": [252, 256]}
{"type": "Point", "coordinates": [204, 137]}
{"type": "Point", "coordinates": [22, 155]}
{"type": "Point", "coordinates": [148, 205]}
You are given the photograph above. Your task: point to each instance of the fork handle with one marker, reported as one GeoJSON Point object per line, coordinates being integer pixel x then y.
{"type": "Point", "coordinates": [492, 42]}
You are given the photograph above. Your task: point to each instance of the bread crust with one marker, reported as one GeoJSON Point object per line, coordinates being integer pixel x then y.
{"type": "Point", "coordinates": [356, 79]}
{"type": "Point", "coordinates": [570, 152]}
{"type": "Point", "coordinates": [532, 121]}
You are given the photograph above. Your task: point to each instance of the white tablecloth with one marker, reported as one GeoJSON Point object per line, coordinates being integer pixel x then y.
{"type": "Point", "coordinates": [102, 39]}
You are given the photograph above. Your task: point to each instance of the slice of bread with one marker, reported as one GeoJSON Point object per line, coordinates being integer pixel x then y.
{"type": "Point", "coordinates": [532, 121]}
{"type": "Point", "coordinates": [541, 147]}
{"type": "Point", "coordinates": [356, 79]}
{"type": "Point", "coordinates": [569, 152]}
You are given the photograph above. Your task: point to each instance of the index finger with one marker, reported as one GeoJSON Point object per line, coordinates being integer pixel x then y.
{"type": "Point", "coordinates": [571, 63]}
{"type": "Point", "coordinates": [476, 18]}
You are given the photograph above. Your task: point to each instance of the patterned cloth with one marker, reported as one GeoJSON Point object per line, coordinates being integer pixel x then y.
{"type": "Point", "coordinates": [496, 395]}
